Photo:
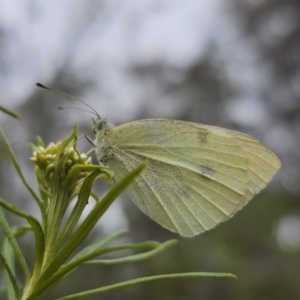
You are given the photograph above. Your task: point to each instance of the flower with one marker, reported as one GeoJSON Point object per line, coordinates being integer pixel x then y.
{"type": "Point", "coordinates": [46, 160]}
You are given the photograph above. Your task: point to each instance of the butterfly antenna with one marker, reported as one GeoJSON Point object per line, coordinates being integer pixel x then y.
{"type": "Point", "coordinates": [65, 94]}
{"type": "Point", "coordinates": [77, 108]}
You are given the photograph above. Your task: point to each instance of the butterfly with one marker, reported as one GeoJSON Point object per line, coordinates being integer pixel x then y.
{"type": "Point", "coordinates": [196, 177]}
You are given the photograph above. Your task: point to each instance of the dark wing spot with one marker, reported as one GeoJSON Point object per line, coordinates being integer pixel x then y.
{"type": "Point", "coordinates": [202, 135]}
{"type": "Point", "coordinates": [206, 172]}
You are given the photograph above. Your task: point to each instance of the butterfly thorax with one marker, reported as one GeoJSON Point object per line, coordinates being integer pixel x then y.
{"type": "Point", "coordinates": [103, 151]}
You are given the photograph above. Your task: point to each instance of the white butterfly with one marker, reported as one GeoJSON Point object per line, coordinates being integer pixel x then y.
{"type": "Point", "coordinates": [197, 175]}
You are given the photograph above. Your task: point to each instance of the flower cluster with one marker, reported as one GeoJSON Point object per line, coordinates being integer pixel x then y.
{"type": "Point", "coordinates": [60, 169]}
{"type": "Point", "coordinates": [46, 158]}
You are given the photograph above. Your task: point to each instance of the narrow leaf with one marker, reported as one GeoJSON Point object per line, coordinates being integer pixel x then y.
{"type": "Point", "coordinates": [148, 279]}
{"type": "Point", "coordinates": [37, 229]}
{"type": "Point", "coordinates": [11, 275]}
{"type": "Point", "coordinates": [9, 256]}
{"type": "Point", "coordinates": [19, 171]}
{"type": "Point", "coordinates": [21, 230]}
{"type": "Point", "coordinates": [9, 112]}
{"type": "Point", "coordinates": [135, 257]}
{"type": "Point", "coordinates": [91, 248]}
{"type": "Point", "coordinates": [9, 234]}
{"type": "Point", "coordinates": [89, 255]}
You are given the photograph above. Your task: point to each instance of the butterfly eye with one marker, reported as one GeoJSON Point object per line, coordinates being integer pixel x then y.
{"type": "Point", "coordinates": [99, 125]}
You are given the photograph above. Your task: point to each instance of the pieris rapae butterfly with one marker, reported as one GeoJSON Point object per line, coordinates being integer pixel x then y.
{"type": "Point", "coordinates": [197, 175]}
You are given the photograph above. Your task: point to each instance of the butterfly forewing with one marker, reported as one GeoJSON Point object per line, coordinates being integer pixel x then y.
{"type": "Point", "coordinates": [197, 176]}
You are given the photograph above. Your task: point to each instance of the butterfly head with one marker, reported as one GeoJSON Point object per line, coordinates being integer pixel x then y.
{"type": "Point", "coordinates": [101, 126]}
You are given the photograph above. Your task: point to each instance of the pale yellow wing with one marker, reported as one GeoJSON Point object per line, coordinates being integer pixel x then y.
{"type": "Point", "coordinates": [197, 175]}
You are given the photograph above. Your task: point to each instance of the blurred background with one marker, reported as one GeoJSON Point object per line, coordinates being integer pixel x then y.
{"type": "Point", "coordinates": [232, 64]}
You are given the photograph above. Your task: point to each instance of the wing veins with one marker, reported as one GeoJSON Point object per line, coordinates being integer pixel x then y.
{"type": "Point", "coordinates": [208, 187]}
{"type": "Point", "coordinates": [186, 169]}
{"type": "Point", "coordinates": [159, 200]}
{"type": "Point", "coordinates": [235, 191]}
{"type": "Point", "coordinates": [180, 213]}
{"type": "Point", "coordinates": [207, 166]}
{"type": "Point", "coordinates": [131, 147]}
{"type": "Point", "coordinates": [271, 174]}
{"type": "Point", "coordinates": [198, 204]}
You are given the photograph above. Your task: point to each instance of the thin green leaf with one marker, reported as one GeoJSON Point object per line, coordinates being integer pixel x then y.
{"type": "Point", "coordinates": [9, 234]}
{"type": "Point", "coordinates": [99, 244]}
{"type": "Point", "coordinates": [9, 256]}
{"type": "Point", "coordinates": [148, 279]}
{"type": "Point", "coordinates": [21, 230]}
{"type": "Point", "coordinates": [20, 173]}
{"type": "Point", "coordinates": [10, 276]}
{"type": "Point", "coordinates": [85, 228]}
{"type": "Point", "coordinates": [37, 229]}
{"type": "Point", "coordinates": [9, 112]}
{"type": "Point", "coordinates": [76, 261]}
{"type": "Point", "coordinates": [135, 257]}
